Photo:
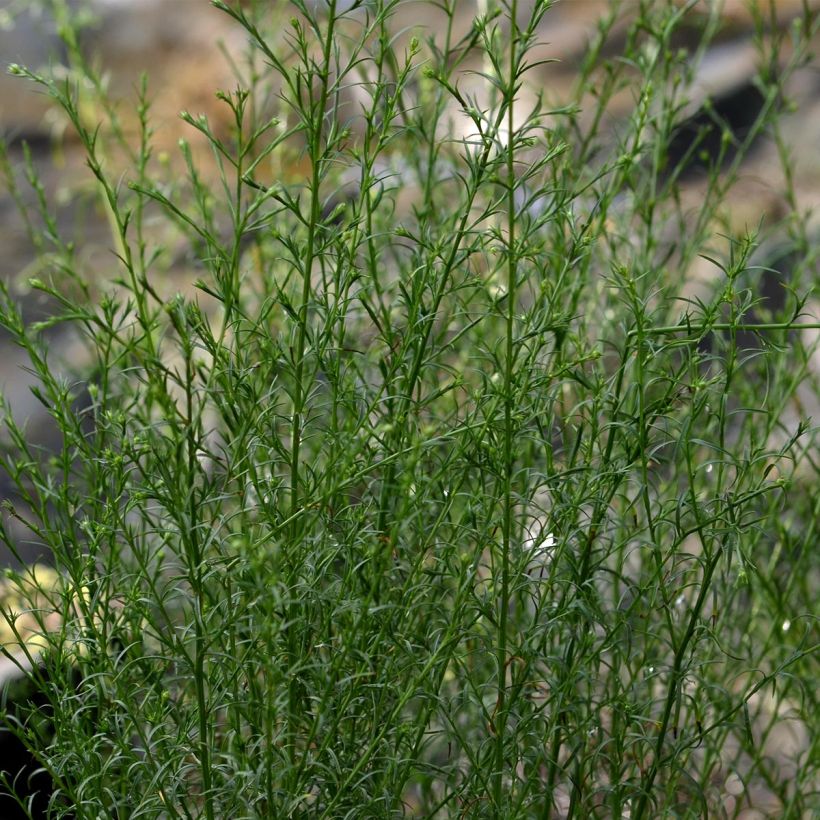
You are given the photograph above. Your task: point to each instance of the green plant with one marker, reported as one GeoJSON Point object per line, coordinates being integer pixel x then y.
{"type": "Point", "coordinates": [440, 493]}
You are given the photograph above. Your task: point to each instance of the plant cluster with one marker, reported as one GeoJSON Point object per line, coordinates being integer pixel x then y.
{"type": "Point", "coordinates": [403, 472]}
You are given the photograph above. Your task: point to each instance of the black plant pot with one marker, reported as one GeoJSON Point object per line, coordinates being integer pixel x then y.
{"type": "Point", "coordinates": [24, 775]}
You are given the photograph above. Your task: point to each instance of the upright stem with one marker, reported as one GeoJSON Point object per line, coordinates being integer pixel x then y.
{"type": "Point", "coordinates": [317, 117]}
{"type": "Point", "coordinates": [509, 459]}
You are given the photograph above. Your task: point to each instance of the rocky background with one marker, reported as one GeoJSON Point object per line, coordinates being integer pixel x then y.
{"type": "Point", "coordinates": [181, 45]}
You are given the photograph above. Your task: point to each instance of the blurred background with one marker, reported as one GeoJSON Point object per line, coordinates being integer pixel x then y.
{"type": "Point", "coordinates": [182, 45]}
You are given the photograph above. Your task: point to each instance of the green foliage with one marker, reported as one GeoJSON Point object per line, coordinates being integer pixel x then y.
{"type": "Point", "coordinates": [439, 494]}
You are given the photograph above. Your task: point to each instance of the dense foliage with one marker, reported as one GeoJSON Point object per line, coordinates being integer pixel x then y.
{"type": "Point", "coordinates": [410, 466]}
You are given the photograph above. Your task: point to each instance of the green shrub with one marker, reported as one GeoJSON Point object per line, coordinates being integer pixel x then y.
{"type": "Point", "coordinates": [437, 489]}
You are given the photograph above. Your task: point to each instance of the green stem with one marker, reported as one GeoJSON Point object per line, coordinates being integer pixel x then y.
{"type": "Point", "coordinates": [317, 168]}
{"type": "Point", "coordinates": [500, 720]}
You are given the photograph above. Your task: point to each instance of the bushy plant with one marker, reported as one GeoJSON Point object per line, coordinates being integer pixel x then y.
{"type": "Point", "coordinates": [404, 472]}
